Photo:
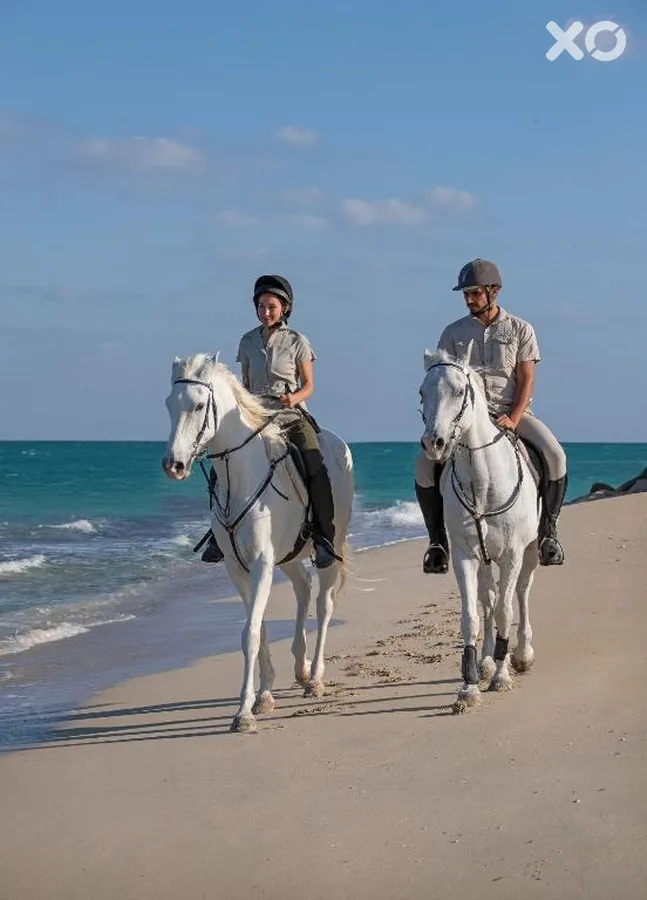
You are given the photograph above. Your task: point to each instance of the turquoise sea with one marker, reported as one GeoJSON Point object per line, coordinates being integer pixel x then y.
{"type": "Point", "coordinates": [97, 575]}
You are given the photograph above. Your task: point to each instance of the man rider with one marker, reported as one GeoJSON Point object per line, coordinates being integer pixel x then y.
{"type": "Point", "coordinates": [505, 353]}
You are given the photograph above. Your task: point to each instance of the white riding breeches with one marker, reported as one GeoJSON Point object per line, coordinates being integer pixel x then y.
{"type": "Point", "coordinates": [531, 429]}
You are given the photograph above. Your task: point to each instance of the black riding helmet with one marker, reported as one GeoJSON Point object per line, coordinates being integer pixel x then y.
{"type": "Point", "coordinates": [279, 287]}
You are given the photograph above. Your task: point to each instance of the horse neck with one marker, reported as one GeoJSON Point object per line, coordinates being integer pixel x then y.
{"type": "Point", "coordinates": [242, 468]}
{"type": "Point", "coordinates": [482, 430]}
{"type": "Point", "coordinates": [487, 470]}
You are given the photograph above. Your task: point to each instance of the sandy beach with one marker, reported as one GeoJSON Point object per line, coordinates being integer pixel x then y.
{"type": "Point", "coordinates": [376, 790]}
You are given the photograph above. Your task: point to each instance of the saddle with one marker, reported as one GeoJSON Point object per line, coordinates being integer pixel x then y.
{"type": "Point", "coordinates": [535, 462]}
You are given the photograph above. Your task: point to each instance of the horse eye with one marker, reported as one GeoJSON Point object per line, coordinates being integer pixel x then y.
{"type": "Point", "coordinates": [199, 407]}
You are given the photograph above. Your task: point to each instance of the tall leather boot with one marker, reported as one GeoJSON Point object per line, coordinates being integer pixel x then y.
{"type": "Point", "coordinates": [323, 510]}
{"type": "Point", "coordinates": [212, 552]}
{"type": "Point", "coordinates": [551, 552]}
{"type": "Point", "coordinates": [430, 500]}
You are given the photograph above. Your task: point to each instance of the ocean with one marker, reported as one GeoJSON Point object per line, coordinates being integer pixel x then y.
{"type": "Point", "coordinates": [98, 581]}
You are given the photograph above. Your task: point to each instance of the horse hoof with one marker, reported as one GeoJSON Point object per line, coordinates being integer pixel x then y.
{"type": "Point", "coordinates": [521, 665]}
{"type": "Point", "coordinates": [264, 704]}
{"type": "Point", "coordinates": [469, 696]}
{"type": "Point", "coordinates": [501, 684]}
{"type": "Point", "coordinates": [302, 678]}
{"type": "Point", "coordinates": [488, 668]}
{"type": "Point", "coordinates": [243, 725]}
{"type": "Point", "coordinates": [314, 689]}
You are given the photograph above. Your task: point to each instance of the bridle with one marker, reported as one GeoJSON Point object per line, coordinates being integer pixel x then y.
{"type": "Point", "coordinates": [459, 490]}
{"type": "Point", "coordinates": [198, 454]}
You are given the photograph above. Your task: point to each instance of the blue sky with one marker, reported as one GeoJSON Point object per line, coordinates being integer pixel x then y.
{"type": "Point", "coordinates": [155, 157]}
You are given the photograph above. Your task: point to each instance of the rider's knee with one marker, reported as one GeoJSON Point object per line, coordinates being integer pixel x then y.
{"type": "Point", "coordinates": [557, 462]}
{"type": "Point", "coordinates": [425, 470]}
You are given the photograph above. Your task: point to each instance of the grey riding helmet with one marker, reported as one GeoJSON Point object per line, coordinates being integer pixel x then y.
{"type": "Point", "coordinates": [478, 273]}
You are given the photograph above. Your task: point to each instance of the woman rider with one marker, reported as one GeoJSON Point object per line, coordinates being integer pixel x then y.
{"type": "Point", "coordinates": [276, 364]}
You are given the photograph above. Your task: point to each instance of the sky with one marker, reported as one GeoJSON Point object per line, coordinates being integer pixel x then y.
{"type": "Point", "coordinates": [156, 157]}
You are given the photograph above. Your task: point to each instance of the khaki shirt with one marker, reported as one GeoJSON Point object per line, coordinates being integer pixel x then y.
{"type": "Point", "coordinates": [497, 349]}
{"type": "Point", "coordinates": [273, 369]}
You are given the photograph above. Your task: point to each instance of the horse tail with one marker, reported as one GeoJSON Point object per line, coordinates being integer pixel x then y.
{"type": "Point", "coordinates": [343, 567]}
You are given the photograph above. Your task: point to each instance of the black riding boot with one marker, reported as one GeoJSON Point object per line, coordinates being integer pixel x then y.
{"type": "Point", "coordinates": [430, 500]}
{"type": "Point", "coordinates": [551, 552]}
{"type": "Point", "coordinates": [323, 510]}
{"type": "Point", "coordinates": [212, 552]}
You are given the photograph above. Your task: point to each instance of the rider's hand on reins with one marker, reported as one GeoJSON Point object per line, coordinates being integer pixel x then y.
{"type": "Point", "coordinates": [506, 423]}
{"type": "Point", "coordinates": [288, 400]}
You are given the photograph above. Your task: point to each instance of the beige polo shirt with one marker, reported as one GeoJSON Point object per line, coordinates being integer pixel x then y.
{"type": "Point", "coordinates": [497, 349]}
{"type": "Point", "coordinates": [273, 369]}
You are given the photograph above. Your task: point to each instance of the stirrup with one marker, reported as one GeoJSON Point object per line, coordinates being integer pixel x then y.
{"type": "Point", "coordinates": [212, 552]}
{"type": "Point", "coordinates": [551, 552]}
{"type": "Point", "coordinates": [324, 552]}
{"type": "Point", "coordinates": [436, 560]}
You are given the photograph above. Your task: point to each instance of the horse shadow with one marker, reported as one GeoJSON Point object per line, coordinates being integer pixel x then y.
{"type": "Point", "coordinates": [211, 717]}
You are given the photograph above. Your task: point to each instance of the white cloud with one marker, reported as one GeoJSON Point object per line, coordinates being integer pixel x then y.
{"type": "Point", "coordinates": [233, 218]}
{"type": "Point", "coordinates": [141, 153]}
{"type": "Point", "coordinates": [383, 212]}
{"type": "Point", "coordinates": [451, 198]}
{"type": "Point", "coordinates": [303, 137]}
{"type": "Point", "coordinates": [309, 196]}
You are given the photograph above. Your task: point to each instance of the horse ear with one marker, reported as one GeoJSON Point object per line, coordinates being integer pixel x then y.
{"type": "Point", "coordinates": [428, 359]}
{"type": "Point", "coordinates": [465, 359]}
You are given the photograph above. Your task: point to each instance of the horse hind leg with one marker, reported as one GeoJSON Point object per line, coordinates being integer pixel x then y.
{"type": "Point", "coordinates": [487, 596]}
{"type": "Point", "coordinates": [509, 567]}
{"type": "Point", "coordinates": [302, 585]}
{"type": "Point", "coordinates": [524, 654]}
{"type": "Point", "coordinates": [325, 607]}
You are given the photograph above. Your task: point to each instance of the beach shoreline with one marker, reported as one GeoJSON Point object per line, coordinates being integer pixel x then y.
{"type": "Point", "coordinates": [376, 789]}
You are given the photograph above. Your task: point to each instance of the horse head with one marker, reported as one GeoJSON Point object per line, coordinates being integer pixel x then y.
{"type": "Point", "coordinates": [447, 402]}
{"type": "Point", "coordinates": [194, 410]}
{"type": "Point", "coordinates": [209, 408]}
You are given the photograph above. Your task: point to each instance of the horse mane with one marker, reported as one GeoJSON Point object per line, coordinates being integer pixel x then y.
{"type": "Point", "coordinates": [205, 368]}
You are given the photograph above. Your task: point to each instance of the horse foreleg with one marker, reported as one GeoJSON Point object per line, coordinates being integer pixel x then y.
{"type": "Point", "coordinates": [487, 597]}
{"type": "Point", "coordinates": [466, 571]}
{"type": "Point", "coordinates": [302, 583]}
{"type": "Point", "coordinates": [325, 607]}
{"type": "Point", "coordinates": [524, 655]}
{"type": "Point", "coordinates": [509, 568]}
{"type": "Point", "coordinates": [261, 584]}
{"type": "Point", "coordinates": [264, 702]}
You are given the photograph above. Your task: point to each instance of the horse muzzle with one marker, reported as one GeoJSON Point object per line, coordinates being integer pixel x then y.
{"type": "Point", "coordinates": [175, 468]}
{"type": "Point", "coordinates": [436, 448]}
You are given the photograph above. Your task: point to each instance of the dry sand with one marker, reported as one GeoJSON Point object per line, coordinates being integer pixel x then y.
{"type": "Point", "coordinates": [376, 791]}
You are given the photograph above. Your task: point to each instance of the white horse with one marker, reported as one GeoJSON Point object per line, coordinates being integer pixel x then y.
{"type": "Point", "coordinates": [491, 515]}
{"type": "Point", "coordinates": [259, 513]}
